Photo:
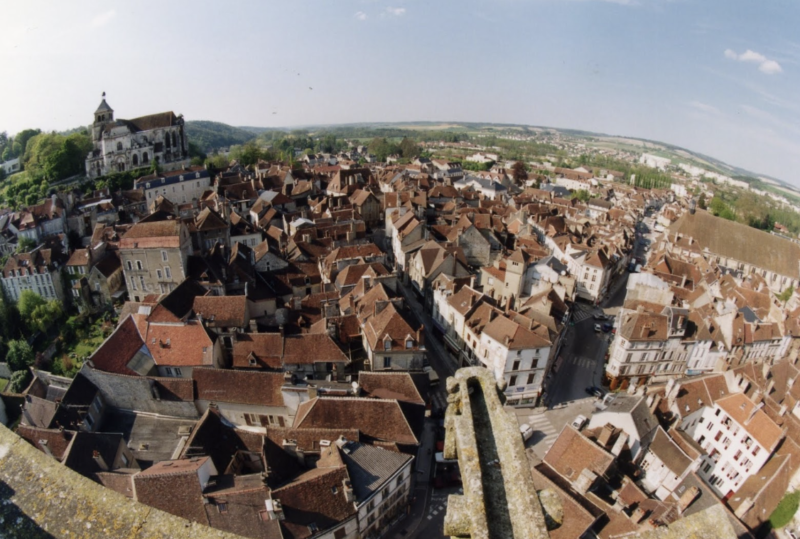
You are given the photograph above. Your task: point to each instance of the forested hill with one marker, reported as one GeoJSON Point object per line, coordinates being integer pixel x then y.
{"type": "Point", "coordinates": [213, 135]}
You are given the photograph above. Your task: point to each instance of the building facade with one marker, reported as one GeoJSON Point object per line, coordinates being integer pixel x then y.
{"type": "Point", "coordinates": [121, 145]}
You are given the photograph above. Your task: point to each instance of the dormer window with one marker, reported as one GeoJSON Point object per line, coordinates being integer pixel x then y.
{"type": "Point", "coordinates": [409, 343]}
{"type": "Point", "coordinates": [387, 343]}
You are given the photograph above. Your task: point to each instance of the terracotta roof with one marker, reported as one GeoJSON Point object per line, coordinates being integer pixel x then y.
{"type": "Point", "coordinates": [185, 345]}
{"type": "Point", "coordinates": [390, 385]}
{"type": "Point", "coordinates": [174, 487]}
{"type": "Point", "coordinates": [222, 311]}
{"type": "Point", "coordinates": [376, 419]}
{"type": "Point", "coordinates": [312, 499]}
{"type": "Point", "coordinates": [56, 440]}
{"type": "Point", "coordinates": [240, 387]}
{"type": "Point", "coordinates": [119, 348]}
{"type": "Point", "coordinates": [753, 420]}
{"type": "Point", "coordinates": [572, 453]}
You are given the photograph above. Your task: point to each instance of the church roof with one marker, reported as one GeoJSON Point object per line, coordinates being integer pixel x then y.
{"type": "Point", "coordinates": [103, 107]}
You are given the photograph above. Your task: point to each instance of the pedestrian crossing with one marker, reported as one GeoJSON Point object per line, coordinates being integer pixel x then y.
{"type": "Point", "coordinates": [541, 425]}
{"type": "Point", "coordinates": [583, 362]}
{"type": "Point", "coordinates": [581, 312]}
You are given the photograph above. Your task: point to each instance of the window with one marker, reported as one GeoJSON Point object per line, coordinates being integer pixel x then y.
{"type": "Point", "coordinates": [138, 264]}
{"type": "Point", "coordinates": [130, 265]}
{"type": "Point", "coordinates": [409, 344]}
{"type": "Point", "coordinates": [512, 381]}
{"type": "Point", "coordinates": [141, 282]}
{"type": "Point", "coordinates": [145, 158]}
{"type": "Point", "coordinates": [531, 378]}
{"type": "Point", "coordinates": [89, 421]}
{"type": "Point", "coordinates": [135, 160]}
{"type": "Point", "coordinates": [124, 460]}
{"type": "Point", "coordinates": [167, 272]}
{"type": "Point", "coordinates": [178, 372]}
{"type": "Point", "coordinates": [515, 365]}
{"type": "Point", "coordinates": [387, 344]}
{"type": "Point", "coordinates": [119, 146]}
{"type": "Point", "coordinates": [340, 533]}
{"type": "Point", "coordinates": [167, 370]}
{"type": "Point", "coordinates": [222, 507]}
{"type": "Point", "coordinates": [158, 274]}
{"type": "Point", "coordinates": [387, 362]}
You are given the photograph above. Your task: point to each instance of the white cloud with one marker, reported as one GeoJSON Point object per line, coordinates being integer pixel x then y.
{"type": "Point", "coordinates": [770, 67]}
{"type": "Point", "coordinates": [705, 107]}
{"type": "Point", "coordinates": [103, 18]}
{"type": "Point", "coordinates": [752, 56]}
{"type": "Point", "coordinates": [396, 11]}
{"type": "Point", "coordinates": [361, 16]}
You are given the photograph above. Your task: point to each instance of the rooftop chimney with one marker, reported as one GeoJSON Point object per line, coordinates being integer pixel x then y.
{"type": "Point", "coordinates": [98, 458]}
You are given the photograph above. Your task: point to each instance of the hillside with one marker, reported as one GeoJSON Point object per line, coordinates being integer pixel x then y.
{"type": "Point", "coordinates": [214, 135]}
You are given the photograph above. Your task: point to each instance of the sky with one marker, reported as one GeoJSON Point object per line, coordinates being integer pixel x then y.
{"type": "Point", "coordinates": [720, 77]}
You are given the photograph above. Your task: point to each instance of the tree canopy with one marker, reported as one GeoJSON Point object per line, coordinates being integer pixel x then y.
{"type": "Point", "coordinates": [54, 157]}
{"type": "Point", "coordinates": [37, 313]}
{"type": "Point", "coordinates": [20, 355]}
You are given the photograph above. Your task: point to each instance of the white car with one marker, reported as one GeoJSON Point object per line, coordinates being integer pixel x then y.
{"type": "Point", "coordinates": [579, 422]}
{"type": "Point", "coordinates": [526, 431]}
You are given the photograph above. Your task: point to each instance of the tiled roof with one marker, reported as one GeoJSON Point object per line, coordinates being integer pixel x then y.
{"type": "Point", "coordinates": [240, 387]}
{"type": "Point", "coordinates": [56, 440]}
{"type": "Point", "coordinates": [669, 453]}
{"type": "Point", "coordinates": [377, 419]}
{"type": "Point", "coordinates": [222, 311]}
{"type": "Point", "coordinates": [572, 453]}
{"type": "Point", "coordinates": [370, 467]}
{"type": "Point", "coordinates": [754, 420]}
{"type": "Point", "coordinates": [119, 348]}
{"type": "Point", "coordinates": [174, 487]}
{"type": "Point", "coordinates": [390, 385]}
{"type": "Point", "coordinates": [312, 499]}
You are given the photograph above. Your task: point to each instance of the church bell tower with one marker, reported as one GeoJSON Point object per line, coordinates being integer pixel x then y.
{"type": "Point", "coordinates": [102, 116]}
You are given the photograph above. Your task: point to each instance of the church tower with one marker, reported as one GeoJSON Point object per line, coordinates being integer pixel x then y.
{"type": "Point", "coordinates": [103, 115]}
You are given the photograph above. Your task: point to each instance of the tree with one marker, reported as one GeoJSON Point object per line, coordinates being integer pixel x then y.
{"type": "Point", "coordinates": [701, 202]}
{"type": "Point", "coordinates": [25, 245]}
{"type": "Point", "coordinates": [27, 304]}
{"type": "Point", "coordinates": [20, 355]}
{"type": "Point", "coordinates": [581, 194]}
{"type": "Point", "coordinates": [218, 161]}
{"type": "Point", "coordinates": [45, 315]}
{"type": "Point", "coordinates": [519, 172]}
{"type": "Point", "coordinates": [409, 148]}
{"type": "Point", "coordinates": [19, 381]}
{"type": "Point", "coordinates": [786, 295]}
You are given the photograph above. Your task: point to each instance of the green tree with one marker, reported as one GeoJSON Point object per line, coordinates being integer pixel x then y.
{"type": "Point", "coordinates": [701, 202]}
{"type": "Point", "coordinates": [218, 161]}
{"type": "Point", "coordinates": [45, 315]}
{"type": "Point", "coordinates": [25, 245]}
{"type": "Point", "coordinates": [21, 141]}
{"type": "Point", "coordinates": [581, 194]}
{"type": "Point", "coordinates": [409, 148]}
{"type": "Point", "coordinates": [19, 381]}
{"type": "Point", "coordinates": [27, 304]}
{"type": "Point", "coordinates": [20, 355]}
{"type": "Point", "coordinates": [786, 295]}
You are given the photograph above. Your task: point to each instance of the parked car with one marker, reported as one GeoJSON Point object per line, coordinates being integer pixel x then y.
{"type": "Point", "coordinates": [433, 377]}
{"type": "Point", "coordinates": [598, 328]}
{"type": "Point", "coordinates": [526, 431]}
{"type": "Point", "coordinates": [579, 422]}
{"type": "Point", "coordinates": [601, 316]}
{"type": "Point", "coordinates": [595, 392]}
{"type": "Point", "coordinates": [607, 327]}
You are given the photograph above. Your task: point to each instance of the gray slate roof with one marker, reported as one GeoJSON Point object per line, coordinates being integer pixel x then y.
{"type": "Point", "coordinates": [370, 467]}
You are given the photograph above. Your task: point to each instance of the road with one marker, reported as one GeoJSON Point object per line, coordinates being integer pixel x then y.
{"type": "Point", "coordinates": [582, 362]}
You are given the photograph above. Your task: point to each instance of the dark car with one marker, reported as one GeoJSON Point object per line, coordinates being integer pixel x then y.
{"type": "Point", "coordinates": [595, 391]}
{"type": "Point", "coordinates": [607, 327]}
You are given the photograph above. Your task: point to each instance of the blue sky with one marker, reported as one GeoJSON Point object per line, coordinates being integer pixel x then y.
{"type": "Point", "coordinates": [718, 77]}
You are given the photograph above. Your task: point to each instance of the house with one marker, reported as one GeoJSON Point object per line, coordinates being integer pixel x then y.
{"type": "Point", "coordinates": [668, 459]}
{"type": "Point", "coordinates": [632, 415]}
{"type": "Point", "coordinates": [430, 261]}
{"type": "Point", "coordinates": [391, 339]}
{"type": "Point", "coordinates": [368, 206]}
{"type": "Point", "coordinates": [154, 257]}
{"type": "Point", "coordinates": [251, 401]}
{"type": "Point", "coordinates": [38, 270]}
{"type": "Point", "coordinates": [738, 438]}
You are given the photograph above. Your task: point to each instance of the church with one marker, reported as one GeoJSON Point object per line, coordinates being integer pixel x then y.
{"type": "Point", "coordinates": [121, 145]}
